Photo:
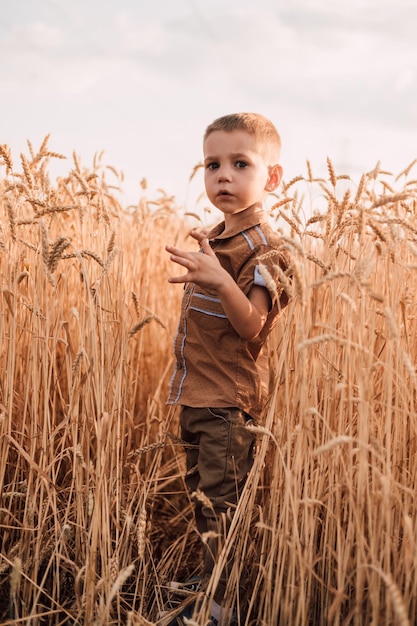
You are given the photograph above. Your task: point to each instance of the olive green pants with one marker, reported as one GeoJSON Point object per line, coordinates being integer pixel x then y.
{"type": "Point", "coordinates": [217, 465]}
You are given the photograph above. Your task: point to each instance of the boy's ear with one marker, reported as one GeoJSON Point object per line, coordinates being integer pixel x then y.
{"type": "Point", "coordinates": [274, 177]}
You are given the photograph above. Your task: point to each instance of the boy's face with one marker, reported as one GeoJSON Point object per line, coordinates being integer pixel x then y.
{"type": "Point", "coordinates": [236, 173]}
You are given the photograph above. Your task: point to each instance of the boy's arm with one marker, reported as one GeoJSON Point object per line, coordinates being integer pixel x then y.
{"type": "Point", "coordinates": [247, 315]}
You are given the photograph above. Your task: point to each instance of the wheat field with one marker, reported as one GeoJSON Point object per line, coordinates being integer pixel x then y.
{"type": "Point", "coordinates": [94, 515]}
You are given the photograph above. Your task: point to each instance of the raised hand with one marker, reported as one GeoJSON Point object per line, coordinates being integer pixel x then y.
{"type": "Point", "coordinates": [246, 314]}
{"type": "Point", "coordinates": [203, 268]}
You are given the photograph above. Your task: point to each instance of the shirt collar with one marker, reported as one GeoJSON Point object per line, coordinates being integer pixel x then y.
{"type": "Point", "coordinates": [256, 218]}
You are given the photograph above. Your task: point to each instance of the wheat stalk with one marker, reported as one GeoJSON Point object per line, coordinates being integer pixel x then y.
{"type": "Point", "coordinates": [27, 172]}
{"type": "Point", "coordinates": [5, 154]}
{"type": "Point", "coordinates": [56, 253]}
{"type": "Point", "coordinates": [332, 173]}
{"type": "Point", "coordinates": [92, 462]}
{"type": "Point", "coordinates": [12, 220]}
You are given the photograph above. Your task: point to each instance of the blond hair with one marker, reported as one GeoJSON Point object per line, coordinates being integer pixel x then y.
{"type": "Point", "coordinates": [265, 133]}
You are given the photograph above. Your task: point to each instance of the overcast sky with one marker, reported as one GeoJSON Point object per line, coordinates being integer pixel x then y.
{"type": "Point", "coordinates": [141, 80]}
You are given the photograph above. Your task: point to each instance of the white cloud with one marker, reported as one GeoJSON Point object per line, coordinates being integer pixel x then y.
{"type": "Point", "coordinates": [142, 81]}
{"type": "Point", "coordinates": [132, 36]}
{"type": "Point", "coordinates": [406, 79]}
{"type": "Point", "coordinates": [37, 36]}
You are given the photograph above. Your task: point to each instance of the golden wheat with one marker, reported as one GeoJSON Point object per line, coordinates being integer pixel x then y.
{"type": "Point", "coordinates": [95, 517]}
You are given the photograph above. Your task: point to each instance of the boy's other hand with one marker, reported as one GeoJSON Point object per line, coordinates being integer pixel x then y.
{"type": "Point", "coordinates": [203, 269]}
{"type": "Point", "coordinates": [247, 315]}
{"type": "Point", "coordinates": [199, 234]}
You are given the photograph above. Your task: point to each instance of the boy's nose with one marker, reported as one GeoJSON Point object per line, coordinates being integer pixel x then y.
{"type": "Point", "coordinates": [224, 174]}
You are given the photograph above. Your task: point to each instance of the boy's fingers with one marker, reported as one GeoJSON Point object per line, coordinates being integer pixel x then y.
{"type": "Point", "coordinates": [199, 233]}
{"type": "Point", "coordinates": [206, 247]}
{"type": "Point", "coordinates": [182, 259]}
{"type": "Point", "coordinates": [178, 279]}
{"type": "Point", "coordinates": [172, 250]}
{"type": "Point", "coordinates": [176, 254]}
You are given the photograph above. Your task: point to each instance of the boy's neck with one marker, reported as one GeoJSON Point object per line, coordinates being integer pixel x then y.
{"type": "Point", "coordinates": [230, 221]}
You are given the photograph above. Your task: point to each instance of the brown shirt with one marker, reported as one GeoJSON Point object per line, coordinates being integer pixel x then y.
{"type": "Point", "coordinates": [214, 366]}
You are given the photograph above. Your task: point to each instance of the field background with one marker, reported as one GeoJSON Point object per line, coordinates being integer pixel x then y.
{"type": "Point", "coordinates": [94, 516]}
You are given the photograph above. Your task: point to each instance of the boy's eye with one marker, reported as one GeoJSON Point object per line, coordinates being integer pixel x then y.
{"type": "Point", "coordinates": [241, 164]}
{"type": "Point", "coordinates": [212, 166]}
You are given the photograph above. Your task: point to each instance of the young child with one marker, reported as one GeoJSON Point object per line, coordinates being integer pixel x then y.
{"type": "Point", "coordinates": [229, 307]}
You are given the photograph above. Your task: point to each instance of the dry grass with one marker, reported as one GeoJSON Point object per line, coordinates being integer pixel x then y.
{"type": "Point", "coordinates": [94, 516]}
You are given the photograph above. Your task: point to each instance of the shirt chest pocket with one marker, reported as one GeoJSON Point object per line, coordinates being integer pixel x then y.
{"type": "Point", "coordinates": [207, 311]}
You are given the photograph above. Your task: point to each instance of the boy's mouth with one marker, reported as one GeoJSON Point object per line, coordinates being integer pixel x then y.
{"type": "Point", "coordinates": [223, 192]}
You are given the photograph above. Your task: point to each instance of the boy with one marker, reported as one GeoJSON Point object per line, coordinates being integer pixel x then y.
{"type": "Point", "coordinates": [229, 307]}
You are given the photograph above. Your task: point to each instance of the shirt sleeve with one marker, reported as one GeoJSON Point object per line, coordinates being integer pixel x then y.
{"type": "Point", "coordinates": [266, 267]}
